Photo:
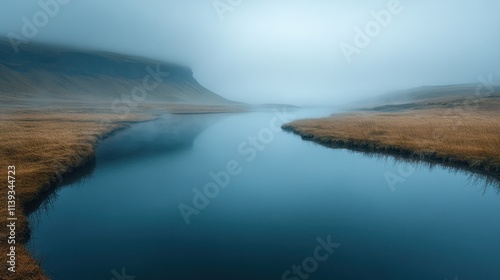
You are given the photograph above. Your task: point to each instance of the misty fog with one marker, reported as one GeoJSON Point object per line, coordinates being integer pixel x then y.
{"type": "Point", "coordinates": [278, 51]}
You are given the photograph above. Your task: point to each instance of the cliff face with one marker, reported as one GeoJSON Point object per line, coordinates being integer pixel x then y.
{"type": "Point", "coordinates": [47, 73]}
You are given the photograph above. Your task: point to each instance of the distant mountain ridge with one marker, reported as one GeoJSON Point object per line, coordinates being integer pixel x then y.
{"type": "Point", "coordinates": [430, 96]}
{"type": "Point", "coordinates": [52, 73]}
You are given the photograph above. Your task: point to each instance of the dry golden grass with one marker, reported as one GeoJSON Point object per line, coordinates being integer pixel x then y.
{"type": "Point", "coordinates": [46, 144]}
{"type": "Point", "coordinates": [465, 138]}
{"type": "Point", "coordinates": [43, 147]}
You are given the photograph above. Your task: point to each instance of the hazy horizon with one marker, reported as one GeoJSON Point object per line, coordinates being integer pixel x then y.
{"type": "Point", "coordinates": [282, 51]}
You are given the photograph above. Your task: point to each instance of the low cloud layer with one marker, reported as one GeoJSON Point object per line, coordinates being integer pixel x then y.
{"type": "Point", "coordinates": [294, 51]}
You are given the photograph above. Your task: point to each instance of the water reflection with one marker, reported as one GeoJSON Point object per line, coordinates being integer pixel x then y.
{"type": "Point", "coordinates": [476, 177]}
{"type": "Point", "coordinates": [44, 202]}
{"type": "Point", "coordinates": [169, 134]}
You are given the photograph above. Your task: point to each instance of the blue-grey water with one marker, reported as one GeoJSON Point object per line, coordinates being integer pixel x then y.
{"type": "Point", "coordinates": [283, 208]}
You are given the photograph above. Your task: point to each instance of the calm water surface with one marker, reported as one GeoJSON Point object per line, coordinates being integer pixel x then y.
{"type": "Point", "coordinates": [286, 199]}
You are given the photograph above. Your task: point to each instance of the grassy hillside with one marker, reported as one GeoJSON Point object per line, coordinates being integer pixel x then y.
{"type": "Point", "coordinates": [46, 74]}
{"type": "Point", "coordinates": [450, 96]}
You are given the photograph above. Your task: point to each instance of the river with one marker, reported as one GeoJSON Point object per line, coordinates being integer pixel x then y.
{"type": "Point", "coordinates": [231, 196]}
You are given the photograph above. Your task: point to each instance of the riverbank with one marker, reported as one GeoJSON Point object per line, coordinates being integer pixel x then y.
{"type": "Point", "coordinates": [45, 146]}
{"type": "Point", "coordinates": [463, 138]}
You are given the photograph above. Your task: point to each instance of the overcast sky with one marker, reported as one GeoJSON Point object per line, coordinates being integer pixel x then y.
{"type": "Point", "coordinates": [293, 51]}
